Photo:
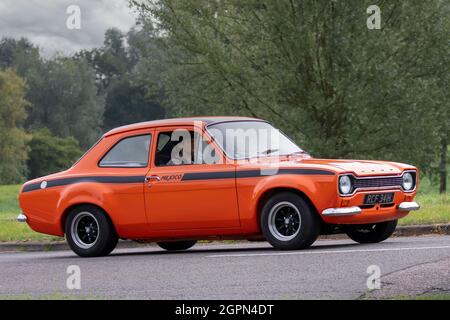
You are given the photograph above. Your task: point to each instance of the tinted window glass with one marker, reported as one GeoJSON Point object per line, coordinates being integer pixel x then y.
{"type": "Point", "coordinates": [129, 152]}
{"type": "Point", "coordinates": [174, 148]}
{"type": "Point", "coordinates": [181, 147]}
{"type": "Point", "coordinates": [205, 153]}
{"type": "Point", "coordinates": [247, 139]}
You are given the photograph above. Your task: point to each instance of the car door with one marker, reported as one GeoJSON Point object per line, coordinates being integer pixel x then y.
{"type": "Point", "coordinates": [122, 169]}
{"type": "Point", "coordinates": [189, 195]}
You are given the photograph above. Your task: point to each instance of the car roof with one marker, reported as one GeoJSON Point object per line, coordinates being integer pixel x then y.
{"type": "Point", "coordinates": [175, 121]}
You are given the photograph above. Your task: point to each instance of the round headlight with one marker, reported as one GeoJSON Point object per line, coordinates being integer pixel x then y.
{"type": "Point", "coordinates": [408, 181]}
{"type": "Point", "coordinates": [345, 185]}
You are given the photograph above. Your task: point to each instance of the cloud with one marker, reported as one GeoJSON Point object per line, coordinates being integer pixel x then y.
{"type": "Point", "coordinates": [43, 22]}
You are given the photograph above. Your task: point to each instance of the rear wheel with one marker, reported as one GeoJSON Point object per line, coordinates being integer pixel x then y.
{"type": "Point", "coordinates": [288, 222]}
{"type": "Point", "coordinates": [177, 245]}
{"type": "Point", "coordinates": [89, 232]}
{"type": "Point", "coordinates": [371, 233]}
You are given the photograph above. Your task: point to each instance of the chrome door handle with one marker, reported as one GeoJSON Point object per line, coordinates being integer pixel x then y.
{"type": "Point", "coordinates": [150, 179]}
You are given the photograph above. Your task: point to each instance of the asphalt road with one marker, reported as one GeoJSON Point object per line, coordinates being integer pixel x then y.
{"type": "Point", "coordinates": [330, 269]}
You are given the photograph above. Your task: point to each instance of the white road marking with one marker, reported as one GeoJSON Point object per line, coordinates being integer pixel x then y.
{"type": "Point", "coordinates": [323, 252]}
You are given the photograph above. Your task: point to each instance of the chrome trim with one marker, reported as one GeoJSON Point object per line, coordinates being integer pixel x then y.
{"type": "Point", "coordinates": [408, 206]}
{"type": "Point", "coordinates": [153, 177]}
{"type": "Point", "coordinates": [75, 229]}
{"type": "Point", "coordinates": [272, 220]}
{"type": "Point", "coordinates": [21, 218]}
{"type": "Point", "coordinates": [377, 188]}
{"type": "Point", "coordinates": [415, 180]}
{"type": "Point", "coordinates": [346, 211]}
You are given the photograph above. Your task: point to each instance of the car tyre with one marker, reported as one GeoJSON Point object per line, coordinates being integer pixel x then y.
{"type": "Point", "coordinates": [288, 222]}
{"type": "Point", "coordinates": [177, 245]}
{"type": "Point", "coordinates": [371, 233]}
{"type": "Point", "coordinates": [89, 232]}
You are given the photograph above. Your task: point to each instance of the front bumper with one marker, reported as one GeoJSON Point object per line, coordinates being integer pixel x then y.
{"type": "Point", "coordinates": [350, 211]}
{"type": "Point", "coordinates": [346, 211]}
{"type": "Point", "coordinates": [408, 206]}
{"type": "Point", "coordinates": [21, 218]}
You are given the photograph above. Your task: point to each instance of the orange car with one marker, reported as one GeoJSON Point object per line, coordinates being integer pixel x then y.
{"type": "Point", "coordinates": [176, 181]}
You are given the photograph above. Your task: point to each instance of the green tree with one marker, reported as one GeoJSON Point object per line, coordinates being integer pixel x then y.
{"type": "Point", "coordinates": [63, 98]}
{"type": "Point", "coordinates": [314, 69]}
{"type": "Point", "coordinates": [111, 61]}
{"type": "Point", "coordinates": [20, 55]}
{"type": "Point", "coordinates": [61, 91]}
{"type": "Point", "coordinates": [13, 150]}
{"type": "Point", "coordinates": [121, 76]}
{"type": "Point", "coordinates": [49, 154]}
{"type": "Point", "coordinates": [128, 102]}
{"type": "Point", "coordinates": [442, 102]}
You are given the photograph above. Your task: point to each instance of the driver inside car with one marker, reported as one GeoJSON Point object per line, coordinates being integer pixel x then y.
{"type": "Point", "coordinates": [183, 152]}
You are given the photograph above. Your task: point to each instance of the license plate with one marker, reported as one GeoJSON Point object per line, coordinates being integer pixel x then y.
{"type": "Point", "coordinates": [379, 198]}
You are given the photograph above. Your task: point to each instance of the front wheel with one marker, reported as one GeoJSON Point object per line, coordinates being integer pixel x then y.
{"type": "Point", "coordinates": [177, 245]}
{"type": "Point", "coordinates": [89, 232]}
{"type": "Point", "coordinates": [371, 233]}
{"type": "Point", "coordinates": [288, 222]}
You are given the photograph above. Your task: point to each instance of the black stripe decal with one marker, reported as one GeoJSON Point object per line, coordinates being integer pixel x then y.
{"type": "Point", "coordinates": [99, 179]}
{"type": "Point", "coordinates": [274, 171]}
{"type": "Point", "coordinates": [208, 175]}
{"type": "Point", "coordinates": [252, 173]}
{"type": "Point", "coordinates": [186, 177]}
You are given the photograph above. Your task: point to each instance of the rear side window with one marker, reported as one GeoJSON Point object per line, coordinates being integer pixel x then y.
{"type": "Point", "coordinates": [130, 152]}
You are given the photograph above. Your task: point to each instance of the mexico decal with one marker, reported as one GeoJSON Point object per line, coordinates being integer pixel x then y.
{"type": "Point", "coordinates": [172, 177]}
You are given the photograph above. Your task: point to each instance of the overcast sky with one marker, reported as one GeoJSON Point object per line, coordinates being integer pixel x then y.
{"type": "Point", "coordinates": [44, 22]}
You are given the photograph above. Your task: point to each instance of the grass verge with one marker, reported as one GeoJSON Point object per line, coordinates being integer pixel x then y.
{"type": "Point", "coordinates": [10, 229]}
{"type": "Point", "coordinates": [431, 296]}
{"type": "Point", "coordinates": [435, 208]}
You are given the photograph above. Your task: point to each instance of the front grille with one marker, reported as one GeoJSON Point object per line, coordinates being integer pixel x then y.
{"type": "Point", "coordinates": [367, 183]}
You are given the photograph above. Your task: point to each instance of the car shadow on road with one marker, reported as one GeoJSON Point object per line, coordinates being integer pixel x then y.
{"type": "Point", "coordinates": [152, 250]}
{"type": "Point", "coordinates": [209, 249]}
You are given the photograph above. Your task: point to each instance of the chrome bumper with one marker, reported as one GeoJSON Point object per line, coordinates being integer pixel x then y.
{"type": "Point", "coordinates": [347, 211]}
{"type": "Point", "coordinates": [22, 218]}
{"type": "Point", "coordinates": [408, 206]}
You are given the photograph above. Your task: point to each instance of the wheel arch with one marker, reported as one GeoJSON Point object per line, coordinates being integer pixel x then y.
{"type": "Point", "coordinates": [67, 210]}
{"type": "Point", "coordinates": [267, 194]}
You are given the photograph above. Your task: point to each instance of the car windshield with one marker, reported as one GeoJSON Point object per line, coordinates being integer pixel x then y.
{"type": "Point", "coordinates": [249, 139]}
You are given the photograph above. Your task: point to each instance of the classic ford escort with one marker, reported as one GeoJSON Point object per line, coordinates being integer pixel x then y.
{"type": "Point", "coordinates": [176, 181]}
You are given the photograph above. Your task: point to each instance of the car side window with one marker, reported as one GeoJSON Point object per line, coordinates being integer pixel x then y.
{"type": "Point", "coordinates": [129, 152]}
{"type": "Point", "coordinates": [182, 147]}
{"type": "Point", "coordinates": [205, 153]}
